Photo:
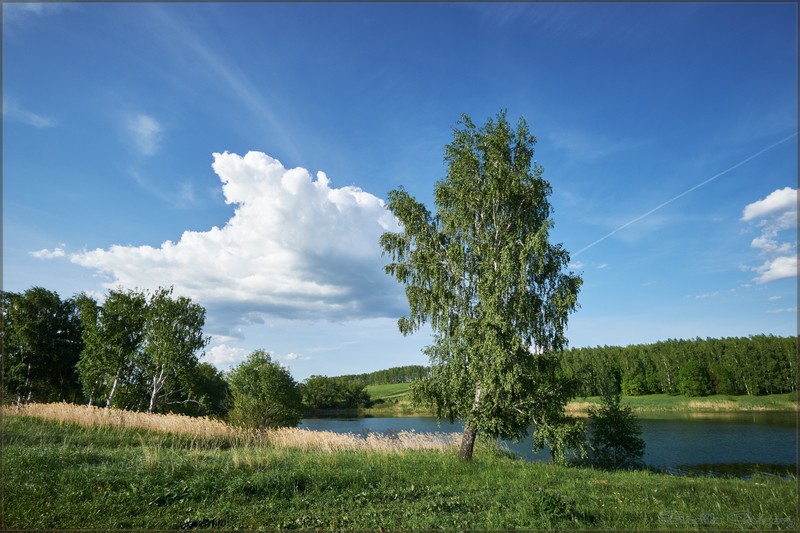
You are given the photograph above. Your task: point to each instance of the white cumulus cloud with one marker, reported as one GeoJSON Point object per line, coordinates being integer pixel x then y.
{"type": "Point", "coordinates": [294, 248]}
{"type": "Point", "coordinates": [774, 215]}
{"type": "Point", "coordinates": [781, 203]}
{"type": "Point", "coordinates": [224, 356]}
{"type": "Point", "coordinates": [778, 268]}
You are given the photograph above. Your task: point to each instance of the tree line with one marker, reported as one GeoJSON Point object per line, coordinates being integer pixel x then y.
{"type": "Point", "coordinates": [140, 351]}
{"type": "Point", "coordinates": [755, 365]}
{"type": "Point", "coordinates": [398, 374]}
{"type": "Point", "coordinates": [137, 350]}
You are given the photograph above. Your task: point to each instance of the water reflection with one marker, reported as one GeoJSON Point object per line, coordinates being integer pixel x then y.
{"type": "Point", "coordinates": [698, 443]}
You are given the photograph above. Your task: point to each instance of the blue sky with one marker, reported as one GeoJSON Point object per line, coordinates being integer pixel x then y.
{"type": "Point", "coordinates": [241, 153]}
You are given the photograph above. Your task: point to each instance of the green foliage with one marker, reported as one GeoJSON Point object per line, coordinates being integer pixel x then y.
{"type": "Point", "coordinates": [634, 384]}
{"type": "Point", "coordinates": [41, 339]}
{"type": "Point", "coordinates": [264, 394]}
{"type": "Point", "coordinates": [398, 374]}
{"type": "Point", "coordinates": [140, 350]}
{"type": "Point", "coordinates": [693, 380]}
{"type": "Point", "coordinates": [113, 336]}
{"type": "Point", "coordinates": [614, 435]}
{"type": "Point", "coordinates": [208, 393]}
{"type": "Point", "coordinates": [320, 392]}
{"type": "Point", "coordinates": [554, 506]}
{"type": "Point", "coordinates": [483, 273]}
{"type": "Point", "coordinates": [173, 333]}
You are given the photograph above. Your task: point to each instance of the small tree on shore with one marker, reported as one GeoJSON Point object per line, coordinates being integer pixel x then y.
{"type": "Point", "coordinates": [264, 394]}
{"type": "Point", "coordinates": [615, 440]}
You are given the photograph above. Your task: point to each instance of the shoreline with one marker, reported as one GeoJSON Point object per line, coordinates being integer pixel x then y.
{"type": "Point", "coordinates": [653, 403]}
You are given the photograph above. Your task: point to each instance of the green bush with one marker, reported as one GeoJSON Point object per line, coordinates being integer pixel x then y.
{"type": "Point", "coordinates": [264, 394]}
{"type": "Point", "coordinates": [615, 440]}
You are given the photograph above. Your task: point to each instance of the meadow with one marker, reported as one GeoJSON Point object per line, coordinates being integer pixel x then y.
{"type": "Point", "coordinates": [72, 467]}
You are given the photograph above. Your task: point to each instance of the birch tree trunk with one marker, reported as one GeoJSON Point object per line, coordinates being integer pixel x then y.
{"type": "Point", "coordinates": [470, 433]}
{"type": "Point", "coordinates": [158, 384]}
{"type": "Point", "coordinates": [113, 388]}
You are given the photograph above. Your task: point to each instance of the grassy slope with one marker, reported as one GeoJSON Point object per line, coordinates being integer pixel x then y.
{"type": "Point", "coordinates": [61, 476]}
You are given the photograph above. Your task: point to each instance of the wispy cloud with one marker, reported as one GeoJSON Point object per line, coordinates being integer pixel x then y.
{"type": "Point", "coordinates": [783, 310]}
{"type": "Point", "coordinates": [16, 12]}
{"type": "Point", "coordinates": [49, 254]}
{"type": "Point", "coordinates": [224, 70]}
{"type": "Point", "coordinates": [589, 147]}
{"type": "Point", "coordinates": [12, 110]}
{"type": "Point", "coordinates": [146, 133]}
{"type": "Point", "coordinates": [707, 295]}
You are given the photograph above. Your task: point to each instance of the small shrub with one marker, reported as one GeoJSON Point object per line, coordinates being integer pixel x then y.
{"type": "Point", "coordinates": [553, 505]}
{"type": "Point", "coordinates": [615, 440]}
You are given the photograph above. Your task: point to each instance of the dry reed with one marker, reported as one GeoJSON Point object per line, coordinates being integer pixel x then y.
{"type": "Point", "coordinates": [283, 438]}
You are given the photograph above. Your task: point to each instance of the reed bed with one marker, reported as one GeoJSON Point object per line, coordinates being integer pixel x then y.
{"type": "Point", "coordinates": [329, 441]}
{"type": "Point", "coordinates": [91, 416]}
{"type": "Point", "coordinates": [205, 428]}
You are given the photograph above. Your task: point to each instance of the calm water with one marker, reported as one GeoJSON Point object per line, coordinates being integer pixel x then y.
{"type": "Point", "coordinates": [729, 443]}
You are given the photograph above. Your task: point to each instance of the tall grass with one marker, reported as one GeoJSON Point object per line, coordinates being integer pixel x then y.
{"type": "Point", "coordinates": [205, 428]}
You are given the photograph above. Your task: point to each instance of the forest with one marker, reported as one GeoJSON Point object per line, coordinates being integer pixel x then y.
{"type": "Point", "coordinates": [398, 374]}
{"type": "Point", "coordinates": [755, 365]}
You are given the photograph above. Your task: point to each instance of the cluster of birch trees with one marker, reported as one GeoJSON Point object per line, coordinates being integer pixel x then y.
{"type": "Point", "coordinates": [136, 350]}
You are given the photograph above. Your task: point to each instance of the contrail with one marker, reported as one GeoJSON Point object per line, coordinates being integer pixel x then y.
{"type": "Point", "coordinates": [684, 193]}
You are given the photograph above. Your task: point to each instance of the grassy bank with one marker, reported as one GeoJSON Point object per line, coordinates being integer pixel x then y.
{"type": "Point", "coordinates": [66, 476]}
{"type": "Point", "coordinates": [720, 402]}
{"type": "Point", "coordinates": [393, 400]}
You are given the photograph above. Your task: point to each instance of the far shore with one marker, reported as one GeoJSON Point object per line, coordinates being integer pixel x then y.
{"type": "Point", "coordinates": [400, 405]}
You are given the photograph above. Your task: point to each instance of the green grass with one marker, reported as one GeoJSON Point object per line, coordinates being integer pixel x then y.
{"type": "Point", "coordinates": [61, 476]}
{"type": "Point", "coordinates": [393, 400]}
{"type": "Point", "coordinates": [721, 402]}
{"type": "Point", "coordinates": [388, 391]}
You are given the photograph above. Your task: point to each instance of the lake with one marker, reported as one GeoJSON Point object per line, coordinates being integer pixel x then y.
{"type": "Point", "coordinates": [713, 443]}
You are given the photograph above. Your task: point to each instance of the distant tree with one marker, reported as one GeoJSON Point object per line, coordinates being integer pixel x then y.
{"type": "Point", "coordinates": [693, 379]}
{"type": "Point", "coordinates": [211, 390]}
{"type": "Point", "coordinates": [614, 435]}
{"type": "Point", "coordinates": [321, 392]}
{"type": "Point", "coordinates": [173, 333]}
{"type": "Point", "coordinates": [634, 384]}
{"type": "Point", "coordinates": [41, 340]}
{"type": "Point", "coordinates": [483, 273]}
{"type": "Point", "coordinates": [264, 394]}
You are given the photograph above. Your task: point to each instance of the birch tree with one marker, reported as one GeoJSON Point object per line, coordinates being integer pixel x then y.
{"type": "Point", "coordinates": [173, 335]}
{"type": "Point", "coordinates": [483, 273]}
{"type": "Point", "coordinates": [113, 335]}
